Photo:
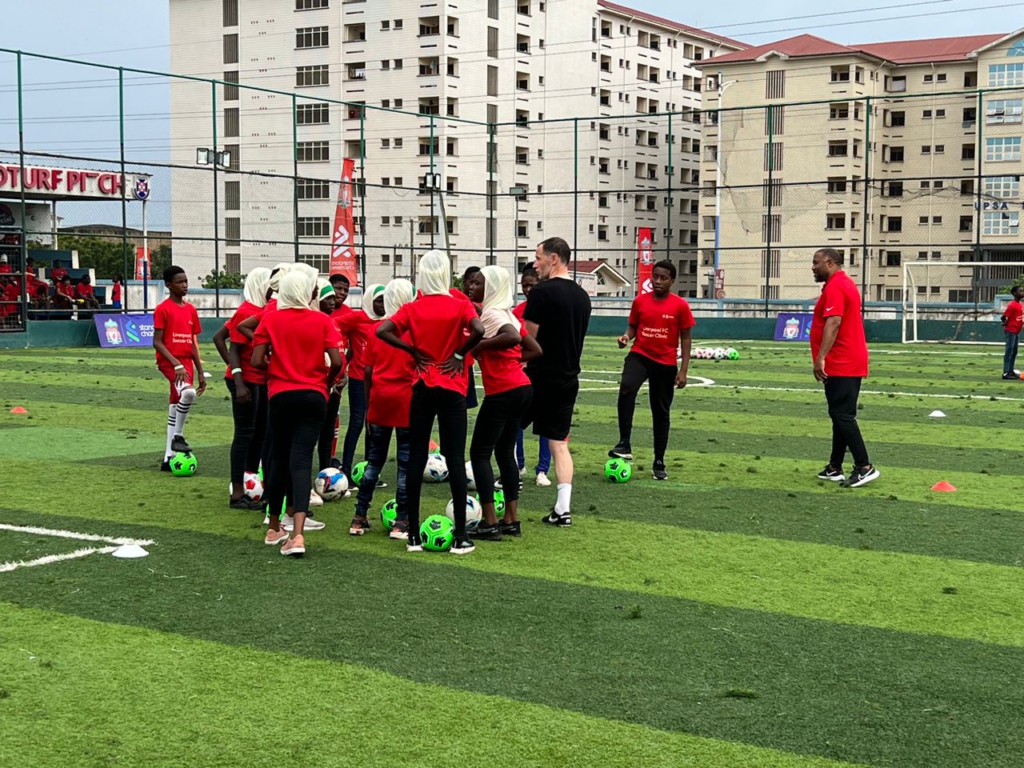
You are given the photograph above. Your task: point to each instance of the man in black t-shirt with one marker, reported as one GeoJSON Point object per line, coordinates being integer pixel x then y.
{"type": "Point", "coordinates": [557, 315]}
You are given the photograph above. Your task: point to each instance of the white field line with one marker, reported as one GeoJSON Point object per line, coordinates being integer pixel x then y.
{"type": "Point", "coordinates": [73, 535]}
{"type": "Point", "coordinates": [691, 382]}
{"type": "Point", "coordinates": [874, 392]}
{"type": "Point", "coordinates": [897, 351]}
{"type": "Point", "coordinates": [8, 567]}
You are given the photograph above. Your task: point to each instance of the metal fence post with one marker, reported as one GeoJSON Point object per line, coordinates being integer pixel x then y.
{"type": "Point", "coordinates": [866, 213]}
{"type": "Point", "coordinates": [979, 181]}
{"type": "Point", "coordinates": [575, 193]}
{"type": "Point", "coordinates": [124, 201]}
{"type": "Point", "coordinates": [22, 240]}
{"type": "Point", "coordinates": [362, 192]}
{"type": "Point", "coordinates": [295, 174]}
{"type": "Point", "coordinates": [767, 261]}
{"type": "Point", "coordinates": [216, 205]}
{"type": "Point", "coordinates": [671, 171]}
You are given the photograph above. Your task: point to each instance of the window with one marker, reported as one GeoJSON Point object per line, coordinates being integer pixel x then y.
{"type": "Point", "coordinates": [966, 223]}
{"type": "Point", "coordinates": [385, 25]}
{"type": "Point", "coordinates": [967, 152]}
{"type": "Point", "coordinates": [492, 81]}
{"type": "Point", "coordinates": [1003, 112]}
{"type": "Point", "coordinates": [838, 149]}
{"type": "Point", "coordinates": [235, 156]}
{"type": "Point", "coordinates": [926, 150]}
{"type": "Point", "coordinates": [306, 77]}
{"type": "Point", "coordinates": [899, 119]}
{"type": "Point", "coordinates": [313, 226]}
{"type": "Point", "coordinates": [895, 155]}
{"type": "Point", "coordinates": [835, 221]}
{"type": "Point", "coordinates": [232, 196]}
{"type": "Point", "coordinates": [429, 66]}
{"type": "Point", "coordinates": [967, 187]}
{"type": "Point", "coordinates": [312, 114]}
{"type": "Point", "coordinates": [771, 263]}
{"type": "Point", "coordinates": [492, 9]}
{"type": "Point", "coordinates": [1005, 74]}
{"type": "Point", "coordinates": [311, 5]}
{"type": "Point", "coordinates": [775, 84]}
{"type": "Point", "coordinates": [893, 188]}
{"type": "Point", "coordinates": [893, 258]}
{"type": "Point", "coordinates": [492, 42]}
{"type": "Point", "coordinates": [356, 71]}
{"type": "Point", "coordinates": [838, 111]}
{"type": "Point", "coordinates": [316, 37]}
{"type": "Point", "coordinates": [896, 84]}
{"type": "Point", "coordinates": [1003, 186]}
{"type": "Point", "coordinates": [231, 122]}
{"type": "Point", "coordinates": [1002, 149]}
{"type": "Point", "coordinates": [313, 189]}
{"type": "Point", "coordinates": [892, 224]}
{"type": "Point", "coordinates": [1017, 49]}
{"type": "Point", "coordinates": [840, 74]}
{"type": "Point", "coordinates": [313, 151]}
{"type": "Point", "coordinates": [398, 24]}
{"type": "Point", "coordinates": [837, 185]}
{"type": "Point", "coordinates": [1001, 222]}
{"type": "Point", "coordinates": [231, 49]}
{"type": "Point", "coordinates": [230, 86]}
{"type": "Point", "coordinates": [452, 67]}
{"type": "Point", "coordinates": [939, 114]}
{"type": "Point", "coordinates": [960, 296]}
{"type": "Point", "coordinates": [940, 78]}
{"type": "Point", "coordinates": [894, 294]}
{"type": "Point", "coordinates": [230, 13]}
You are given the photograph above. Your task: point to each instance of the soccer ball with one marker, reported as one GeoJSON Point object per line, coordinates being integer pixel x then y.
{"type": "Point", "coordinates": [732, 354]}
{"type": "Point", "coordinates": [470, 481]}
{"type": "Point", "coordinates": [719, 353]}
{"type": "Point", "coordinates": [184, 464]}
{"type": "Point", "coordinates": [474, 513]}
{"type": "Point", "coordinates": [437, 533]}
{"type": "Point", "coordinates": [618, 471]}
{"type": "Point", "coordinates": [702, 353]}
{"type": "Point", "coordinates": [389, 514]}
{"type": "Point", "coordinates": [330, 484]}
{"type": "Point", "coordinates": [357, 473]}
{"type": "Point", "coordinates": [499, 501]}
{"type": "Point", "coordinates": [436, 470]}
{"type": "Point", "coordinates": [252, 486]}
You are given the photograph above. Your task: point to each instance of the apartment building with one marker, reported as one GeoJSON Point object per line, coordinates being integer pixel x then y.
{"type": "Point", "coordinates": [793, 128]}
{"type": "Point", "coordinates": [565, 101]}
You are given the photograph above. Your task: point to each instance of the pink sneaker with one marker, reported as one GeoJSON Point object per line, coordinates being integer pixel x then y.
{"type": "Point", "coordinates": [274, 538]}
{"type": "Point", "coordinates": [294, 546]}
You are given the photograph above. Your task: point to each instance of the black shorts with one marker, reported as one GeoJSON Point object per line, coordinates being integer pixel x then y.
{"type": "Point", "coordinates": [552, 407]}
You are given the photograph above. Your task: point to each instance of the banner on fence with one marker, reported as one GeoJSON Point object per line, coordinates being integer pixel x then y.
{"type": "Point", "coordinates": [793, 326]}
{"type": "Point", "coordinates": [645, 253]}
{"type": "Point", "coordinates": [124, 330]}
{"type": "Point", "coordinates": [143, 264]}
{"type": "Point", "coordinates": [343, 253]}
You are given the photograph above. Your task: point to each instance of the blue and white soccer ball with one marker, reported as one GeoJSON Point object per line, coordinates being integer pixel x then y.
{"type": "Point", "coordinates": [330, 484]}
{"type": "Point", "coordinates": [719, 353]}
{"type": "Point", "coordinates": [470, 480]}
{"type": "Point", "coordinates": [436, 470]}
{"type": "Point", "coordinates": [474, 513]}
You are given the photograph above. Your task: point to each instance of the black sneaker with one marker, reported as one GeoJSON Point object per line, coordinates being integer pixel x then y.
{"type": "Point", "coordinates": [244, 503]}
{"type": "Point", "coordinates": [463, 547]}
{"type": "Point", "coordinates": [381, 484]}
{"type": "Point", "coordinates": [413, 543]}
{"type": "Point", "coordinates": [562, 521]}
{"type": "Point", "coordinates": [358, 526]}
{"type": "Point", "coordinates": [499, 487]}
{"type": "Point", "coordinates": [1009, 376]}
{"type": "Point", "coordinates": [862, 476]}
{"type": "Point", "coordinates": [165, 465]}
{"type": "Point", "coordinates": [511, 529]}
{"type": "Point", "coordinates": [178, 445]}
{"type": "Point", "coordinates": [621, 451]}
{"type": "Point", "coordinates": [335, 463]}
{"type": "Point", "coordinates": [832, 474]}
{"type": "Point", "coordinates": [660, 473]}
{"type": "Point", "coordinates": [487, 533]}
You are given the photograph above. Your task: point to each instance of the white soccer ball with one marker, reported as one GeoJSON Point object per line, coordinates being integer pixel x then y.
{"type": "Point", "coordinates": [474, 513]}
{"type": "Point", "coordinates": [702, 353]}
{"type": "Point", "coordinates": [330, 484]}
{"type": "Point", "coordinates": [252, 486]}
{"type": "Point", "coordinates": [719, 353]}
{"type": "Point", "coordinates": [436, 470]}
{"type": "Point", "coordinates": [470, 481]}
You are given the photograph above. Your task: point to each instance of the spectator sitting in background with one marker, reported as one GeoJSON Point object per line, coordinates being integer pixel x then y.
{"type": "Point", "coordinates": [38, 291]}
{"type": "Point", "coordinates": [85, 295]}
{"type": "Point", "coordinates": [64, 295]}
{"type": "Point", "coordinates": [58, 273]}
{"type": "Point", "coordinates": [9, 296]}
{"type": "Point", "coordinates": [115, 293]}
{"type": "Point", "coordinates": [5, 267]}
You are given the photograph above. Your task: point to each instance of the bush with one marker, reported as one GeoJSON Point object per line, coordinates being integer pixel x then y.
{"type": "Point", "coordinates": [224, 279]}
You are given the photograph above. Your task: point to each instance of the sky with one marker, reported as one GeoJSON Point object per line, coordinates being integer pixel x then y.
{"type": "Point", "coordinates": [69, 108]}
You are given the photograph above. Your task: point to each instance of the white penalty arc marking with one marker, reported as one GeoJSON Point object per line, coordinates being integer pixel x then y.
{"type": "Point", "coordinates": [62, 534]}
{"type": "Point", "coordinates": [14, 565]}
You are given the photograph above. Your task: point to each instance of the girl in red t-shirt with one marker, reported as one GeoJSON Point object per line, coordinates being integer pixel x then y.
{"type": "Point", "coordinates": [290, 344]}
{"type": "Point", "coordinates": [507, 395]}
{"type": "Point", "coordinates": [436, 323]}
{"type": "Point", "coordinates": [390, 374]}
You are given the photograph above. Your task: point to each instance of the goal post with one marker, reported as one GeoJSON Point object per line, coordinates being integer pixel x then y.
{"type": "Point", "coordinates": [942, 299]}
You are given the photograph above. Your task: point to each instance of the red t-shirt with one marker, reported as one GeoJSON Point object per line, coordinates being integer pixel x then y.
{"type": "Point", "coordinates": [436, 325]}
{"type": "Point", "coordinates": [57, 274]}
{"type": "Point", "coordinates": [115, 292]}
{"type": "Point", "coordinates": [519, 309]}
{"type": "Point", "coordinates": [1013, 314]}
{"type": "Point", "coordinates": [5, 268]}
{"type": "Point", "coordinates": [354, 327]}
{"type": "Point", "coordinates": [250, 375]}
{"type": "Point", "coordinates": [849, 354]}
{"type": "Point", "coordinates": [82, 290]}
{"type": "Point", "coordinates": [338, 316]}
{"type": "Point", "coordinates": [394, 373]}
{"type": "Point", "coordinates": [658, 323]}
{"type": "Point", "coordinates": [11, 294]}
{"type": "Point", "coordinates": [502, 369]}
{"type": "Point", "coordinates": [177, 324]}
{"type": "Point", "coordinates": [298, 339]}
{"type": "Point", "coordinates": [65, 289]}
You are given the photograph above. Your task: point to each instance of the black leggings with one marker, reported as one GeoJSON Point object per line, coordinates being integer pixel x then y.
{"type": "Point", "coordinates": [328, 431]}
{"type": "Point", "coordinates": [661, 383]}
{"type": "Point", "coordinates": [496, 431]}
{"type": "Point", "coordinates": [250, 430]}
{"type": "Point", "coordinates": [295, 419]}
{"type": "Point", "coordinates": [450, 410]}
{"type": "Point", "coordinates": [841, 393]}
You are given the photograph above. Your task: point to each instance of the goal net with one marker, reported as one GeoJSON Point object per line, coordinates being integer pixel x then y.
{"type": "Point", "coordinates": [944, 301]}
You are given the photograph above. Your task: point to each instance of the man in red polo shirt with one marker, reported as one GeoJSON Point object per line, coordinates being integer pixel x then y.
{"type": "Point", "coordinates": [1012, 322]}
{"type": "Point", "coordinates": [840, 354]}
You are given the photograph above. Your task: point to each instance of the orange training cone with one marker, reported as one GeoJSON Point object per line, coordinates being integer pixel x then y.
{"type": "Point", "coordinates": [944, 487]}
{"type": "Point", "coordinates": [18, 409]}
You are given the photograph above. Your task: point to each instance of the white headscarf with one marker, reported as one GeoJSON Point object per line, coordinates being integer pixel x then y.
{"type": "Point", "coordinates": [398, 293]}
{"type": "Point", "coordinates": [499, 295]}
{"type": "Point", "coordinates": [279, 270]}
{"type": "Point", "coordinates": [296, 290]}
{"type": "Point", "coordinates": [435, 273]}
{"type": "Point", "coordinates": [370, 293]}
{"type": "Point", "coordinates": [256, 284]}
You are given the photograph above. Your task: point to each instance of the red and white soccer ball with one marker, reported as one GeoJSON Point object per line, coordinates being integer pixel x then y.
{"type": "Point", "coordinates": [252, 486]}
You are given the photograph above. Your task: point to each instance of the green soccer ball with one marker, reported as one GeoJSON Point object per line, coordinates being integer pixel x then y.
{"type": "Point", "coordinates": [357, 473]}
{"type": "Point", "coordinates": [618, 471]}
{"type": "Point", "coordinates": [499, 501]}
{"type": "Point", "coordinates": [732, 354]}
{"type": "Point", "coordinates": [437, 533]}
{"type": "Point", "coordinates": [389, 514]}
{"type": "Point", "coordinates": [184, 464]}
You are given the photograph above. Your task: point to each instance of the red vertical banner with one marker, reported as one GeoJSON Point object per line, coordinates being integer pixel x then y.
{"type": "Point", "coordinates": [343, 252]}
{"type": "Point", "coordinates": [143, 264]}
{"type": "Point", "coordinates": [645, 262]}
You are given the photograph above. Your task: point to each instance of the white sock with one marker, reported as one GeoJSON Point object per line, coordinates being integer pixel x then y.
{"type": "Point", "coordinates": [564, 497]}
{"type": "Point", "coordinates": [171, 413]}
{"type": "Point", "coordinates": [187, 397]}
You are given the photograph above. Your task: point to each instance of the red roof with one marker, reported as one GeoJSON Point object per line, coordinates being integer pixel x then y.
{"type": "Point", "coordinates": [668, 23]}
{"type": "Point", "coordinates": [586, 266]}
{"type": "Point", "coordinates": [897, 52]}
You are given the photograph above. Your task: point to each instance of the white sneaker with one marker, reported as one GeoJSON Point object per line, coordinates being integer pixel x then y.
{"type": "Point", "coordinates": [266, 519]}
{"type": "Point", "coordinates": [311, 524]}
{"type": "Point", "coordinates": [542, 480]}
{"type": "Point", "coordinates": [315, 500]}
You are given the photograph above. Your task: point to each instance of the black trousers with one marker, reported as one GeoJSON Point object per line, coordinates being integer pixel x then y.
{"type": "Point", "coordinates": [250, 430]}
{"type": "Point", "coordinates": [842, 392]}
{"type": "Point", "coordinates": [327, 432]}
{"type": "Point", "coordinates": [661, 383]}
{"type": "Point", "coordinates": [295, 420]}
{"type": "Point", "coordinates": [496, 432]}
{"type": "Point", "coordinates": [449, 408]}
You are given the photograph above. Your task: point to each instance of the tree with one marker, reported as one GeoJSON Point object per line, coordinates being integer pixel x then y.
{"type": "Point", "coordinates": [1017, 283]}
{"type": "Point", "coordinates": [224, 279]}
{"type": "Point", "coordinates": [106, 255]}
